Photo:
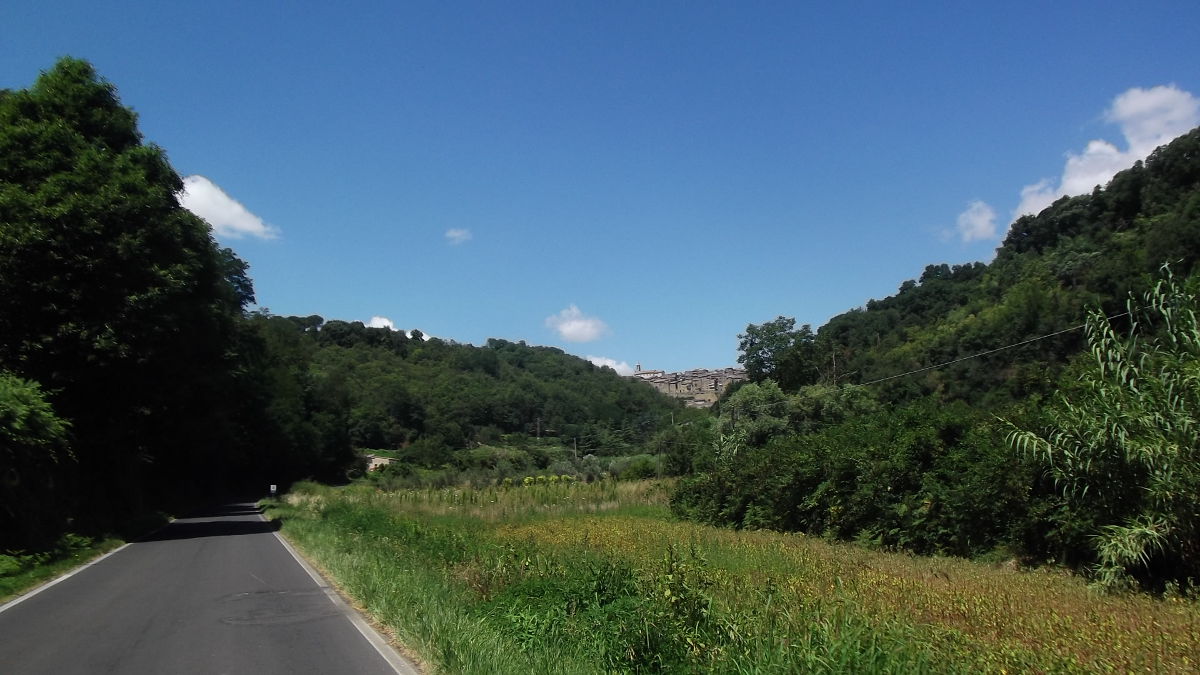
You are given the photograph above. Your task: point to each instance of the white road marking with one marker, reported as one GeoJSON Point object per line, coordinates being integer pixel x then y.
{"type": "Point", "coordinates": [397, 662]}
{"type": "Point", "coordinates": [22, 598]}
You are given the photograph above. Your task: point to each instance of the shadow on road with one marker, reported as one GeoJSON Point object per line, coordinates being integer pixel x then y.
{"type": "Point", "coordinates": [216, 521]}
{"type": "Point", "coordinates": [248, 509]}
{"type": "Point", "coordinates": [188, 529]}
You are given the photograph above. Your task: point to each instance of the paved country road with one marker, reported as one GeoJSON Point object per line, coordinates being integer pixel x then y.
{"type": "Point", "coordinates": [215, 593]}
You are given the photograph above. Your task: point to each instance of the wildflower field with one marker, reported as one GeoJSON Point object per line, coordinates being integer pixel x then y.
{"type": "Point", "coordinates": [573, 577]}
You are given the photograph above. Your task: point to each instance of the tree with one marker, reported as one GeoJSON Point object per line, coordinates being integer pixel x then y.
{"type": "Point", "coordinates": [755, 413]}
{"type": "Point", "coordinates": [112, 296]}
{"type": "Point", "coordinates": [820, 405]}
{"type": "Point", "coordinates": [1124, 445]}
{"type": "Point", "coordinates": [777, 351]}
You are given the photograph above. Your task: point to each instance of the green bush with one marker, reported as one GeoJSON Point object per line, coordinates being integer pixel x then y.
{"type": "Point", "coordinates": [33, 450]}
{"type": "Point", "coordinates": [927, 477]}
{"type": "Point", "coordinates": [639, 468]}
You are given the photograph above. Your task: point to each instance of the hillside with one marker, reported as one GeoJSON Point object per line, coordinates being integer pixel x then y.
{"type": "Point", "coordinates": [1081, 252]}
{"type": "Point", "coordinates": [1025, 444]}
{"type": "Point", "coordinates": [431, 400]}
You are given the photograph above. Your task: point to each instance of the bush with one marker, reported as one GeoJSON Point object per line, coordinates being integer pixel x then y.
{"type": "Point", "coordinates": [927, 477]}
{"type": "Point", "coordinates": [33, 441]}
{"type": "Point", "coordinates": [640, 467]}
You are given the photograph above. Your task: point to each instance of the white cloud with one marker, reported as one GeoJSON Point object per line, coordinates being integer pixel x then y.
{"type": "Point", "coordinates": [1036, 197]}
{"type": "Point", "coordinates": [384, 322]}
{"type": "Point", "coordinates": [226, 215]}
{"type": "Point", "coordinates": [1148, 118]}
{"type": "Point", "coordinates": [572, 326]}
{"type": "Point", "coordinates": [1152, 117]}
{"type": "Point", "coordinates": [457, 236]}
{"type": "Point", "coordinates": [621, 367]}
{"type": "Point", "coordinates": [977, 222]}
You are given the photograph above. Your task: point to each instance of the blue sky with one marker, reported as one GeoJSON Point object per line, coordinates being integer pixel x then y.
{"type": "Point", "coordinates": [633, 181]}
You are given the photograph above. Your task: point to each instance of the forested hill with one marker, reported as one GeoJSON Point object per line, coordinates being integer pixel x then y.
{"type": "Point", "coordinates": [426, 399]}
{"type": "Point", "coordinates": [1081, 252]}
{"type": "Point", "coordinates": [132, 378]}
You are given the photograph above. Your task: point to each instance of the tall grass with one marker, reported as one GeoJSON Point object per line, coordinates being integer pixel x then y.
{"type": "Point", "coordinates": [596, 578]}
{"type": "Point", "coordinates": [508, 503]}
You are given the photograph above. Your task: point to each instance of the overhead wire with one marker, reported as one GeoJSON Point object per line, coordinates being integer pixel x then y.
{"type": "Point", "coordinates": [958, 360]}
{"type": "Point", "coordinates": [990, 351]}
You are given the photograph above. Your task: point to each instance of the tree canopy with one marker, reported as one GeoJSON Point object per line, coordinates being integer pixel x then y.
{"type": "Point", "coordinates": [113, 298]}
{"type": "Point", "coordinates": [429, 399]}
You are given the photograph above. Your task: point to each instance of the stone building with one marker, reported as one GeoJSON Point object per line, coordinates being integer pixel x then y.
{"type": "Point", "coordinates": [698, 388]}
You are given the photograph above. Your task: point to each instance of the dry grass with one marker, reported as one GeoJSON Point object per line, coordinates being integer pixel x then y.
{"type": "Point", "coordinates": [955, 600]}
{"type": "Point", "coordinates": [503, 504]}
{"type": "Point", "coordinates": [970, 616]}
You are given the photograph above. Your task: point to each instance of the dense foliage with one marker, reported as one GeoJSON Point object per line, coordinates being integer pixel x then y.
{"type": "Point", "coordinates": [1124, 442]}
{"type": "Point", "coordinates": [113, 299]}
{"type": "Point", "coordinates": [33, 440]}
{"type": "Point", "coordinates": [1081, 252]}
{"type": "Point", "coordinates": [926, 477]}
{"type": "Point", "coordinates": [430, 402]}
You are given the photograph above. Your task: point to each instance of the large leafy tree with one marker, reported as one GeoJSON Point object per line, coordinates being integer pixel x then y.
{"type": "Point", "coordinates": [1124, 445]}
{"type": "Point", "coordinates": [778, 351]}
{"type": "Point", "coordinates": [112, 296]}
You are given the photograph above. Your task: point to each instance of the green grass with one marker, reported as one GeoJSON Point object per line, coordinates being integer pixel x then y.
{"type": "Point", "coordinates": [22, 571]}
{"type": "Point", "coordinates": [582, 578]}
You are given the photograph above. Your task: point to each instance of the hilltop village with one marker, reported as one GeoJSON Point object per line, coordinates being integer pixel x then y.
{"type": "Point", "coordinates": [698, 388]}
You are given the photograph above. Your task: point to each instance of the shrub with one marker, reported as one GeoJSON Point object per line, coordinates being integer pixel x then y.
{"type": "Point", "coordinates": [640, 468]}
{"type": "Point", "coordinates": [33, 440]}
{"type": "Point", "coordinates": [927, 477]}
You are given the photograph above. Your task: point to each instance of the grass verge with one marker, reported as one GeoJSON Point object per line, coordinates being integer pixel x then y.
{"type": "Point", "coordinates": [587, 578]}
{"type": "Point", "coordinates": [21, 572]}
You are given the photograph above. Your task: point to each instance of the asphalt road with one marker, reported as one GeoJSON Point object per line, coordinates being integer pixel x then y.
{"type": "Point", "coordinates": [215, 593]}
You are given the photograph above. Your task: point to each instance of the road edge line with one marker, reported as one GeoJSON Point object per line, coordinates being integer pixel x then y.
{"type": "Point", "coordinates": [29, 594]}
{"type": "Point", "coordinates": [398, 663]}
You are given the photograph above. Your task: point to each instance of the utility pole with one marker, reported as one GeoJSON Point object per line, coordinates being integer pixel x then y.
{"type": "Point", "coordinates": [539, 427]}
{"type": "Point", "coordinates": [576, 442]}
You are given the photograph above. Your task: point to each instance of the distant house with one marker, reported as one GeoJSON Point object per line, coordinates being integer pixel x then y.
{"type": "Point", "coordinates": [697, 388]}
{"type": "Point", "coordinates": [375, 462]}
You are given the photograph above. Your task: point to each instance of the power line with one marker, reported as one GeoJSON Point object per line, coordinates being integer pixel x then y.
{"type": "Point", "coordinates": [767, 406]}
{"type": "Point", "coordinates": [990, 351]}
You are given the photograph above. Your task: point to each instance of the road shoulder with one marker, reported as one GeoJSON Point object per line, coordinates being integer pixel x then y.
{"type": "Point", "coordinates": [381, 639]}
